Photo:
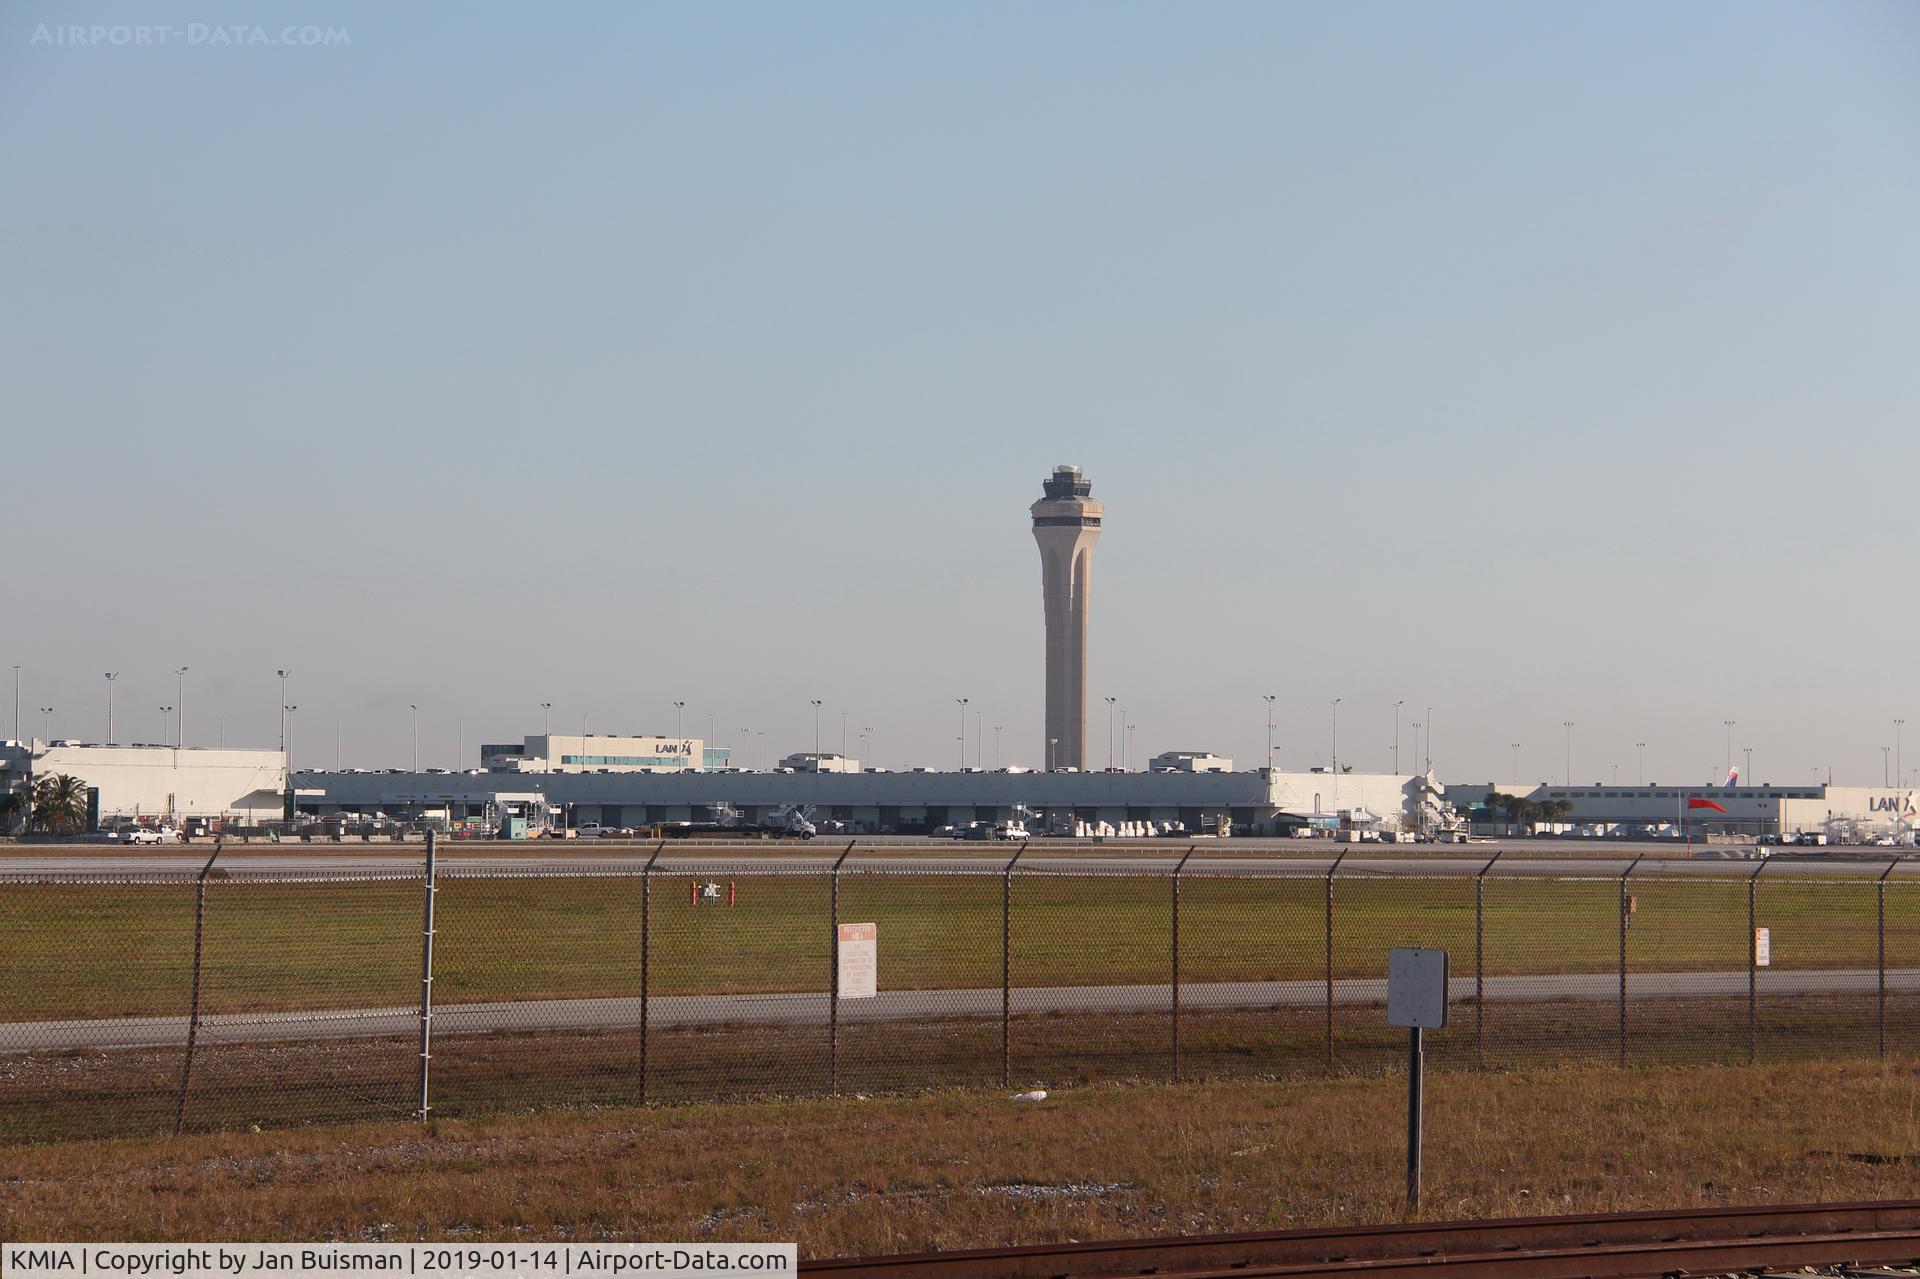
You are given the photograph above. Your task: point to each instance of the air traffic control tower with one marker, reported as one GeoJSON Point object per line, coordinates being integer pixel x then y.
{"type": "Point", "coordinates": [1066, 523]}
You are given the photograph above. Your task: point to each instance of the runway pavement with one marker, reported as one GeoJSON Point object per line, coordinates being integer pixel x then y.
{"type": "Point", "coordinates": [811, 1007]}
{"type": "Point", "coordinates": [348, 864]}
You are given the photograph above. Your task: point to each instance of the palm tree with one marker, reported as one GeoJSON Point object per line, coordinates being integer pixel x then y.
{"type": "Point", "coordinates": [59, 804]}
{"type": "Point", "coordinates": [13, 805]}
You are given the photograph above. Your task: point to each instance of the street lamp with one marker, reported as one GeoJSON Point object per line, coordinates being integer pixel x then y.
{"type": "Point", "coordinates": [815, 703]}
{"type": "Point", "coordinates": [47, 711]}
{"type": "Point", "coordinates": [1051, 743]}
{"type": "Point", "coordinates": [283, 709]}
{"type": "Point", "coordinates": [1396, 736]}
{"type": "Point", "coordinates": [288, 712]}
{"type": "Point", "coordinates": [166, 712]}
{"type": "Point", "coordinates": [962, 702]}
{"type": "Point", "coordinates": [1898, 768]}
{"type": "Point", "coordinates": [1641, 747]}
{"type": "Point", "coordinates": [1110, 701]}
{"type": "Point", "coordinates": [1516, 763]}
{"type": "Point", "coordinates": [546, 719]}
{"type": "Point", "coordinates": [1336, 737]}
{"type": "Point", "coordinates": [416, 736]}
{"type": "Point", "coordinates": [1748, 752]}
{"type": "Point", "coordinates": [1567, 778]}
{"type": "Point", "coordinates": [111, 676]}
{"type": "Point", "coordinates": [996, 744]}
{"type": "Point", "coordinates": [1268, 699]}
{"type": "Point", "coordinates": [1130, 754]}
{"type": "Point", "coordinates": [16, 703]}
{"type": "Point", "coordinates": [677, 708]}
{"type": "Point", "coordinates": [1729, 723]}
{"type": "Point", "coordinates": [1886, 753]}
{"type": "Point", "coordinates": [865, 751]}
{"type": "Point", "coordinates": [180, 703]}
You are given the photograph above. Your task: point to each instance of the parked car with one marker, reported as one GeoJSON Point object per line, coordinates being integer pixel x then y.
{"type": "Point", "coordinates": [150, 835]}
{"type": "Point", "coordinates": [589, 830]}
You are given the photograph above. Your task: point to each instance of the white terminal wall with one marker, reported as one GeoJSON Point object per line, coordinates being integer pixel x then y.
{"type": "Point", "coordinates": [171, 781]}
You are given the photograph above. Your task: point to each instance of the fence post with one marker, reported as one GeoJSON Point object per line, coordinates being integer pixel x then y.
{"type": "Point", "coordinates": [1177, 868]}
{"type": "Point", "coordinates": [1753, 968]}
{"type": "Point", "coordinates": [1880, 1019]}
{"type": "Point", "coordinates": [1623, 956]}
{"type": "Point", "coordinates": [1480, 962]}
{"type": "Point", "coordinates": [1330, 870]}
{"type": "Point", "coordinates": [646, 948]}
{"type": "Point", "coordinates": [193, 1012]}
{"type": "Point", "coordinates": [426, 972]}
{"type": "Point", "coordinates": [1006, 967]}
{"type": "Point", "coordinates": [833, 973]}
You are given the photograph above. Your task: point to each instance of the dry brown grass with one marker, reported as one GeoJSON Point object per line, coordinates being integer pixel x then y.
{"type": "Point", "coordinates": [970, 1168]}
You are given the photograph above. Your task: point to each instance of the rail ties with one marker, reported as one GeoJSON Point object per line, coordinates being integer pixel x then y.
{"type": "Point", "coordinates": [1638, 1245]}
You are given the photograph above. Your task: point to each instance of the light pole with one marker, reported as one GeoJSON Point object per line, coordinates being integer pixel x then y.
{"type": "Point", "coordinates": [180, 705]}
{"type": "Point", "coordinates": [1898, 764]}
{"type": "Point", "coordinates": [996, 744]}
{"type": "Point", "coordinates": [1416, 738]}
{"type": "Point", "coordinates": [867, 735]}
{"type": "Point", "coordinates": [677, 708]}
{"type": "Point", "coordinates": [166, 713]}
{"type": "Point", "coordinates": [111, 676]}
{"type": "Point", "coordinates": [336, 743]}
{"type": "Point", "coordinates": [1729, 723]}
{"type": "Point", "coordinates": [843, 733]}
{"type": "Point", "coordinates": [1567, 777]}
{"type": "Point", "coordinates": [963, 732]}
{"type": "Point", "coordinates": [1516, 763]}
{"type": "Point", "coordinates": [416, 736]}
{"type": "Point", "coordinates": [283, 709]}
{"type": "Point", "coordinates": [1427, 757]}
{"type": "Point", "coordinates": [979, 740]}
{"type": "Point", "coordinates": [1051, 743]}
{"type": "Point", "coordinates": [815, 703]}
{"type": "Point", "coordinates": [16, 703]}
{"type": "Point", "coordinates": [1130, 754]}
{"type": "Point", "coordinates": [1641, 748]}
{"type": "Point", "coordinates": [1268, 699]}
{"type": "Point", "coordinates": [1396, 736]}
{"type": "Point", "coordinates": [1886, 753]}
{"type": "Point", "coordinates": [1336, 737]}
{"type": "Point", "coordinates": [546, 719]}
{"type": "Point", "coordinates": [1748, 752]}
{"type": "Point", "coordinates": [288, 712]}
{"type": "Point", "coordinates": [1110, 701]}
{"type": "Point", "coordinates": [460, 742]}
{"type": "Point", "coordinates": [47, 711]}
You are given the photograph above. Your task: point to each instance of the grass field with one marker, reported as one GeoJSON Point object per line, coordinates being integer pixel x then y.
{"type": "Point", "coordinates": [967, 1168]}
{"type": "Point", "coordinates": [79, 951]}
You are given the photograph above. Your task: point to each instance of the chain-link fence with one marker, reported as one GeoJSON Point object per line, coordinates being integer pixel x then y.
{"type": "Point", "coordinates": [224, 996]}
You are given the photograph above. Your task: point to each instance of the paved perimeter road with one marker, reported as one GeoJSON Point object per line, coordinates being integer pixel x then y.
{"type": "Point", "coordinates": [810, 1008]}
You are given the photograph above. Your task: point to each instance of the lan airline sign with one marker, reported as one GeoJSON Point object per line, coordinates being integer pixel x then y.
{"type": "Point", "coordinates": [1901, 804]}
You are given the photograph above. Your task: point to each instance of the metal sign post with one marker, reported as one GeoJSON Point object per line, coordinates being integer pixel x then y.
{"type": "Point", "coordinates": [1416, 999]}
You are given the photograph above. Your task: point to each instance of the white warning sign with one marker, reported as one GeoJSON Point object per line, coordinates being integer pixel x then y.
{"type": "Point", "coordinates": [859, 961]}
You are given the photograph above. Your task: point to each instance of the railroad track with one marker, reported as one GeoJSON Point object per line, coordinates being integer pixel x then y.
{"type": "Point", "coordinates": [1870, 1237]}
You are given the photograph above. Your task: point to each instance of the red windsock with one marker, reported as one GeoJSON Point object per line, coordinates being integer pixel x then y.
{"type": "Point", "coordinates": [1694, 801]}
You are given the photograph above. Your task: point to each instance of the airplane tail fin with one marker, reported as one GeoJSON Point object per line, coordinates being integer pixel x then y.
{"type": "Point", "coordinates": [1733, 776]}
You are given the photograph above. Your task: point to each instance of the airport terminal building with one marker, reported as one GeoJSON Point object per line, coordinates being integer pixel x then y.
{"type": "Point", "coordinates": [874, 801]}
{"type": "Point", "coordinates": [168, 784]}
{"type": "Point", "coordinates": [1846, 814]}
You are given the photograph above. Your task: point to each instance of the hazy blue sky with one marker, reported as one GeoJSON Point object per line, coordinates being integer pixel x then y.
{"type": "Point", "coordinates": [1528, 362]}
